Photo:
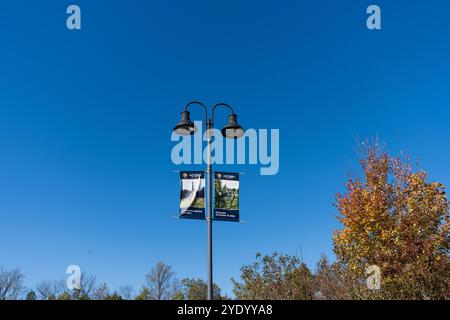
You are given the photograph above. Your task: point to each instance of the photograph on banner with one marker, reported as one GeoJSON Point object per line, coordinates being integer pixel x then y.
{"type": "Point", "coordinates": [226, 196]}
{"type": "Point", "coordinates": [192, 197]}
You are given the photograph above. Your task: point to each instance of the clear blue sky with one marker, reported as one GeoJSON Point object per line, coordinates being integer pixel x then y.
{"type": "Point", "coordinates": [85, 122]}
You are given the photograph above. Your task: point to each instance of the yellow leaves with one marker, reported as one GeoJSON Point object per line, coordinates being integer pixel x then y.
{"type": "Point", "coordinates": [395, 216]}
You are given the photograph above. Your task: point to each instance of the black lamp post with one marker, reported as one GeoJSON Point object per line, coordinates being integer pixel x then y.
{"type": "Point", "coordinates": [231, 130]}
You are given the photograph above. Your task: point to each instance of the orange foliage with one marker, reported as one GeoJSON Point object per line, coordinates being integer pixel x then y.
{"type": "Point", "coordinates": [395, 219]}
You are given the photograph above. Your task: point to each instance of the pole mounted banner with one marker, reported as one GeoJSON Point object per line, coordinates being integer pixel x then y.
{"type": "Point", "coordinates": [192, 205]}
{"type": "Point", "coordinates": [226, 196]}
{"type": "Point", "coordinates": [192, 196]}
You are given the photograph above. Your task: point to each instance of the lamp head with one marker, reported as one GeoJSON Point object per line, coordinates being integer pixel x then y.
{"type": "Point", "coordinates": [232, 129]}
{"type": "Point", "coordinates": [185, 127]}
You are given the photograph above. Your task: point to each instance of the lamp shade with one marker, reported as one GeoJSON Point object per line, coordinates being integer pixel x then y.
{"type": "Point", "coordinates": [185, 127]}
{"type": "Point", "coordinates": [232, 129]}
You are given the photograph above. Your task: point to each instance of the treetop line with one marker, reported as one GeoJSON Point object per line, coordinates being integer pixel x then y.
{"type": "Point", "coordinates": [373, 21]}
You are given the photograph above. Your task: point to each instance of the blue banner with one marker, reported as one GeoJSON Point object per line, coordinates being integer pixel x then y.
{"type": "Point", "coordinates": [226, 196]}
{"type": "Point", "coordinates": [192, 196]}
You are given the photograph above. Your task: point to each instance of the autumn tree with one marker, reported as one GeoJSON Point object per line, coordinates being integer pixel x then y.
{"type": "Point", "coordinates": [395, 219]}
{"type": "Point", "coordinates": [332, 281]}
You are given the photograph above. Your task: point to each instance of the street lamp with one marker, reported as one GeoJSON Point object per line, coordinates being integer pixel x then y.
{"type": "Point", "coordinates": [231, 130]}
{"type": "Point", "coordinates": [185, 126]}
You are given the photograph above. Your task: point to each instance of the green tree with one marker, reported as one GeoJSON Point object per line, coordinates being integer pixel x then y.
{"type": "Point", "coordinates": [196, 289]}
{"type": "Point", "coordinates": [143, 295]}
{"type": "Point", "coordinates": [179, 295]}
{"type": "Point", "coordinates": [275, 277]}
{"type": "Point", "coordinates": [114, 296]}
{"type": "Point", "coordinates": [31, 295]}
{"type": "Point", "coordinates": [219, 201]}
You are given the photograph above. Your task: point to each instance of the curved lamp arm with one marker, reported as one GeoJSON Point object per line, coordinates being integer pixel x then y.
{"type": "Point", "coordinates": [205, 108]}
{"type": "Point", "coordinates": [221, 105]}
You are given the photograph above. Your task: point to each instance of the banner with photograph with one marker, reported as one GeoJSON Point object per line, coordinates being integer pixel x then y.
{"type": "Point", "coordinates": [226, 196]}
{"type": "Point", "coordinates": [192, 197]}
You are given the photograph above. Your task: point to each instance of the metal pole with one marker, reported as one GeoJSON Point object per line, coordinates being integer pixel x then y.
{"type": "Point", "coordinates": [210, 215]}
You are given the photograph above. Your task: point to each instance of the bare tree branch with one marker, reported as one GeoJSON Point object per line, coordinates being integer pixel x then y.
{"type": "Point", "coordinates": [11, 284]}
{"type": "Point", "coordinates": [160, 282]}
